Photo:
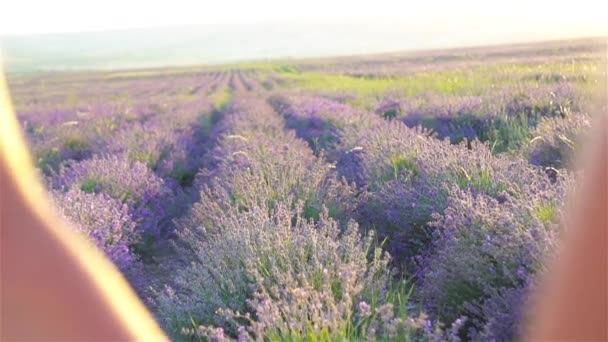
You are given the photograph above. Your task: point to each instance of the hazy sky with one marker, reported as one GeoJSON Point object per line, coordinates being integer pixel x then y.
{"type": "Point", "coordinates": [542, 18]}
{"type": "Point", "coordinates": [223, 31]}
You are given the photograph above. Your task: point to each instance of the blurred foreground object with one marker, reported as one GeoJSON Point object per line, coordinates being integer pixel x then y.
{"type": "Point", "coordinates": [54, 285]}
{"type": "Point", "coordinates": [572, 301]}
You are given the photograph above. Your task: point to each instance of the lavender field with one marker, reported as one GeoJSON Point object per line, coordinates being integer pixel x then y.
{"type": "Point", "coordinates": [389, 197]}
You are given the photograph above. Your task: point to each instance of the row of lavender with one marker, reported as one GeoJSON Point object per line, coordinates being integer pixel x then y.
{"type": "Point", "coordinates": [472, 228]}
{"type": "Point", "coordinates": [115, 159]}
{"type": "Point", "coordinates": [544, 124]}
{"type": "Point", "coordinates": [271, 251]}
{"type": "Point", "coordinates": [153, 121]}
{"type": "Point", "coordinates": [120, 155]}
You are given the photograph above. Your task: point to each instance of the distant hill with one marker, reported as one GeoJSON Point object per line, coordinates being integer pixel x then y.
{"type": "Point", "coordinates": [146, 48]}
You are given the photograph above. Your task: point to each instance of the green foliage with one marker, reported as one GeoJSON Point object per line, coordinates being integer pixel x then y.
{"type": "Point", "coordinates": [457, 293]}
{"type": "Point", "coordinates": [444, 82]}
{"type": "Point", "coordinates": [390, 114]}
{"type": "Point", "coordinates": [221, 98]}
{"type": "Point", "coordinates": [399, 163]}
{"type": "Point", "coordinates": [145, 157]}
{"type": "Point", "coordinates": [546, 213]}
{"type": "Point", "coordinates": [324, 142]}
{"type": "Point", "coordinates": [145, 247]}
{"type": "Point", "coordinates": [287, 69]}
{"type": "Point", "coordinates": [183, 175]}
{"type": "Point", "coordinates": [74, 143]}
{"type": "Point", "coordinates": [90, 185]}
{"type": "Point", "coordinates": [48, 159]}
{"type": "Point", "coordinates": [509, 135]}
{"type": "Point", "coordinates": [482, 181]}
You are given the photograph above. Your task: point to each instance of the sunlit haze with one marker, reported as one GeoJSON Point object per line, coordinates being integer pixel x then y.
{"type": "Point", "coordinates": [584, 17]}
{"type": "Point", "coordinates": [194, 32]}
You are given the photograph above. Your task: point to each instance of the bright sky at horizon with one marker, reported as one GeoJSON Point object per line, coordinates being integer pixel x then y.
{"type": "Point", "coordinates": [543, 17]}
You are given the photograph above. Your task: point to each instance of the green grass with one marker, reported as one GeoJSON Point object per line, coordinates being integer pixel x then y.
{"type": "Point", "coordinates": [145, 157]}
{"type": "Point", "coordinates": [48, 159]}
{"type": "Point", "coordinates": [89, 186]}
{"type": "Point", "coordinates": [221, 98]}
{"type": "Point", "coordinates": [508, 135]}
{"type": "Point", "coordinates": [482, 181]}
{"type": "Point", "coordinates": [399, 163]}
{"type": "Point", "coordinates": [474, 81]}
{"type": "Point", "coordinates": [546, 213]}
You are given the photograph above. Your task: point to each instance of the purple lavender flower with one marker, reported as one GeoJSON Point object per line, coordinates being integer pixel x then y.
{"type": "Point", "coordinates": [134, 184]}
{"type": "Point", "coordinates": [101, 219]}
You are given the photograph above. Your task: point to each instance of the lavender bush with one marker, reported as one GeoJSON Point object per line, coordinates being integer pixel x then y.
{"type": "Point", "coordinates": [405, 174]}
{"type": "Point", "coordinates": [485, 256]}
{"type": "Point", "coordinates": [254, 265]}
{"type": "Point", "coordinates": [504, 118]}
{"type": "Point", "coordinates": [556, 139]}
{"type": "Point", "coordinates": [105, 221]}
{"type": "Point", "coordinates": [322, 122]}
{"type": "Point", "coordinates": [133, 184]}
{"type": "Point", "coordinates": [408, 179]}
{"type": "Point", "coordinates": [256, 161]}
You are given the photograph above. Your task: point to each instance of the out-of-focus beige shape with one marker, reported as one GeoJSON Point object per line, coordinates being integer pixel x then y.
{"type": "Point", "coordinates": [571, 304]}
{"type": "Point", "coordinates": [54, 286]}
